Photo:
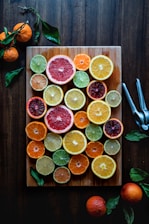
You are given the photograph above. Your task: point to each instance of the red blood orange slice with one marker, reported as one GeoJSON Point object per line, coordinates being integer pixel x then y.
{"type": "Point", "coordinates": [60, 69]}
{"type": "Point", "coordinates": [59, 119]}
{"type": "Point", "coordinates": [96, 89]}
{"type": "Point", "coordinates": [113, 128]}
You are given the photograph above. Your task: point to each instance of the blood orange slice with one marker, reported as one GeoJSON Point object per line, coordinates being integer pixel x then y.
{"type": "Point", "coordinates": [60, 69]}
{"type": "Point", "coordinates": [96, 90]}
{"type": "Point", "coordinates": [59, 119]}
{"type": "Point", "coordinates": [113, 128]}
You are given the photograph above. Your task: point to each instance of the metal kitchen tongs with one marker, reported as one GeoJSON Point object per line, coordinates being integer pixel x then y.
{"type": "Point", "coordinates": [141, 117]}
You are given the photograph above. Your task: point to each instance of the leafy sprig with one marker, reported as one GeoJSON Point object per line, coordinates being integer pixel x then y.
{"type": "Point", "coordinates": [136, 136]}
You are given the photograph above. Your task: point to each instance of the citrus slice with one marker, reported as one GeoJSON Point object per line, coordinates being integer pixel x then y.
{"type": "Point", "coordinates": [112, 146]}
{"type": "Point", "coordinates": [53, 141]}
{"type": "Point", "coordinates": [45, 165]}
{"type": "Point", "coordinates": [98, 111]}
{"type": "Point", "coordinates": [38, 82]}
{"type": "Point", "coordinates": [36, 107]}
{"type": "Point", "coordinates": [74, 99]}
{"type": "Point", "coordinates": [113, 128]}
{"type": "Point", "coordinates": [60, 157]}
{"type": "Point", "coordinates": [60, 69]}
{"type": "Point", "coordinates": [94, 149]}
{"type": "Point", "coordinates": [82, 61]}
{"type": "Point", "coordinates": [103, 166]}
{"type": "Point", "coordinates": [38, 63]}
{"type": "Point", "coordinates": [81, 79]}
{"type": "Point", "coordinates": [81, 120]}
{"type": "Point", "coordinates": [101, 67]}
{"type": "Point", "coordinates": [93, 132]}
{"type": "Point", "coordinates": [36, 130]}
{"type": "Point", "coordinates": [53, 95]}
{"type": "Point", "coordinates": [113, 98]}
{"type": "Point", "coordinates": [78, 164]}
{"type": "Point", "coordinates": [61, 175]}
{"type": "Point", "coordinates": [59, 119]}
{"type": "Point", "coordinates": [74, 142]}
{"type": "Point", "coordinates": [96, 89]}
{"type": "Point", "coordinates": [35, 149]}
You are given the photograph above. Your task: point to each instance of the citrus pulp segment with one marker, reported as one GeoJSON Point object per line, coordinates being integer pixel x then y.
{"type": "Point", "coordinates": [36, 107]}
{"type": "Point", "coordinates": [103, 166]}
{"type": "Point", "coordinates": [61, 175]}
{"type": "Point", "coordinates": [113, 98]}
{"type": "Point", "coordinates": [94, 149]}
{"type": "Point", "coordinates": [96, 90]}
{"type": "Point", "coordinates": [93, 132]}
{"type": "Point", "coordinates": [78, 164]}
{"type": "Point", "coordinates": [53, 141]}
{"type": "Point", "coordinates": [60, 157]}
{"type": "Point", "coordinates": [74, 99]}
{"type": "Point", "coordinates": [38, 82]}
{"type": "Point", "coordinates": [113, 128]}
{"type": "Point", "coordinates": [81, 120]}
{"type": "Point", "coordinates": [82, 61]}
{"type": "Point", "coordinates": [74, 142]}
{"type": "Point", "coordinates": [36, 130]}
{"type": "Point", "coordinates": [112, 146]}
{"type": "Point", "coordinates": [59, 119]}
{"type": "Point", "coordinates": [98, 111]}
{"type": "Point", "coordinates": [60, 69]}
{"type": "Point", "coordinates": [53, 95]}
{"type": "Point", "coordinates": [101, 67]}
{"type": "Point", "coordinates": [38, 63]}
{"type": "Point", "coordinates": [35, 149]}
{"type": "Point", "coordinates": [81, 79]}
{"type": "Point", "coordinates": [45, 165]}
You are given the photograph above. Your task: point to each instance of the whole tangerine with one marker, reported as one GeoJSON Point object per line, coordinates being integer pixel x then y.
{"type": "Point", "coordinates": [131, 192]}
{"type": "Point", "coordinates": [25, 32]}
{"type": "Point", "coordinates": [10, 54]}
{"type": "Point", "coordinates": [96, 206]}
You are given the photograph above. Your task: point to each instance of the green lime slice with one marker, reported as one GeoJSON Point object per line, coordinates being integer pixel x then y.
{"type": "Point", "coordinates": [81, 79]}
{"type": "Point", "coordinates": [93, 132]}
{"type": "Point", "coordinates": [53, 141]}
{"type": "Point", "coordinates": [112, 146]}
{"type": "Point", "coordinates": [38, 64]}
{"type": "Point", "coordinates": [45, 165]}
{"type": "Point", "coordinates": [61, 157]}
{"type": "Point", "coordinates": [113, 98]}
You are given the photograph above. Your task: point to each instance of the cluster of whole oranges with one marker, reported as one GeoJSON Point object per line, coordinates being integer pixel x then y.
{"type": "Point", "coordinates": [21, 32]}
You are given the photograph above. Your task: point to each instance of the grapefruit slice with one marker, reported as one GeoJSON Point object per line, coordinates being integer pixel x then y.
{"type": "Point", "coordinates": [59, 119]}
{"type": "Point", "coordinates": [60, 69]}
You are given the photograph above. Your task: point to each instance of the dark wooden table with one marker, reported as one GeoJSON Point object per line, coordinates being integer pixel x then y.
{"type": "Point", "coordinates": [122, 23]}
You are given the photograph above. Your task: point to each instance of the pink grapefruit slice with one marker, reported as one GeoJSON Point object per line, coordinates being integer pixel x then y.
{"type": "Point", "coordinates": [60, 69]}
{"type": "Point", "coordinates": [59, 119]}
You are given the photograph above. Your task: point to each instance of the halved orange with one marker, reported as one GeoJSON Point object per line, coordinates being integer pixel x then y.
{"type": "Point", "coordinates": [78, 164]}
{"type": "Point", "coordinates": [35, 149]}
{"type": "Point", "coordinates": [94, 149]}
{"type": "Point", "coordinates": [36, 130]}
{"type": "Point", "coordinates": [81, 120]}
{"type": "Point", "coordinates": [113, 128]}
{"type": "Point", "coordinates": [38, 82]}
{"type": "Point", "coordinates": [96, 90]}
{"type": "Point", "coordinates": [82, 61]}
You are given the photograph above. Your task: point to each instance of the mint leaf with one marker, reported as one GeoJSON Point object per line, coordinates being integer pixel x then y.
{"type": "Point", "coordinates": [145, 188]}
{"type": "Point", "coordinates": [111, 204]}
{"type": "Point", "coordinates": [10, 75]}
{"type": "Point", "coordinates": [129, 215]}
{"type": "Point", "coordinates": [135, 136]}
{"type": "Point", "coordinates": [137, 174]}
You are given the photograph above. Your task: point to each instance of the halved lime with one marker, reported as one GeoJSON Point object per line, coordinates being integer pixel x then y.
{"type": "Point", "coordinates": [93, 132]}
{"type": "Point", "coordinates": [61, 175]}
{"type": "Point", "coordinates": [81, 79]}
{"type": "Point", "coordinates": [45, 165]}
{"type": "Point", "coordinates": [112, 146]}
{"type": "Point", "coordinates": [61, 157]}
{"type": "Point", "coordinates": [113, 98]}
{"type": "Point", "coordinates": [38, 63]}
{"type": "Point", "coordinates": [53, 95]}
{"type": "Point", "coordinates": [53, 141]}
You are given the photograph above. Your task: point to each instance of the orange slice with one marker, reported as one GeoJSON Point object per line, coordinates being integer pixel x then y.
{"type": "Point", "coordinates": [35, 149]}
{"type": "Point", "coordinates": [38, 82]}
{"type": "Point", "coordinates": [82, 61]}
{"type": "Point", "coordinates": [61, 175]}
{"type": "Point", "coordinates": [113, 128]}
{"type": "Point", "coordinates": [81, 120]}
{"type": "Point", "coordinates": [78, 164]}
{"type": "Point", "coordinates": [94, 149]}
{"type": "Point", "coordinates": [36, 130]}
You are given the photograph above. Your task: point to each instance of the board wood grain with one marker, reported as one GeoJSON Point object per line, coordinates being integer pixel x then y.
{"type": "Point", "coordinates": [114, 82]}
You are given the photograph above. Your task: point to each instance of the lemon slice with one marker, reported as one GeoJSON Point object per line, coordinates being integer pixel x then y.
{"type": "Point", "coordinates": [112, 146]}
{"type": "Point", "coordinates": [53, 95]}
{"type": "Point", "coordinates": [113, 98]}
{"type": "Point", "coordinates": [45, 165]}
{"type": "Point", "coordinates": [53, 141]}
{"type": "Point", "coordinates": [38, 63]}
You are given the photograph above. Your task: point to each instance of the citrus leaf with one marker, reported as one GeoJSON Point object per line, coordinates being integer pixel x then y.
{"type": "Point", "coordinates": [9, 38]}
{"type": "Point", "coordinates": [36, 177]}
{"type": "Point", "coordinates": [50, 33]}
{"type": "Point", "coordinates": [129, 215]}
{"type": "Point", "coordinates": [111, 204]}
{"type": "Point", "coordinates": [138, 175]}
{"type": "Point", "coordinates": [36, 32]}
{"type": "Point", "coordinates": [145, 188]}
{"type": "Point", "coordinates": [135, 136]}
{"type": "Point", "coordinates": [10, 75]}
{"type": "Point", "coordinates": [1, 53]}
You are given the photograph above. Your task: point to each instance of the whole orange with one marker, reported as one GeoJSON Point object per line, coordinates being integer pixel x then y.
{"type": "Point", "coordinates": [10, 54]}
{"type": "Point", "coordinates": [96, 206]}
{"type": "Point", "coordinates": [131, 192]}
{"type": "Point", "coordinates": [3, 35]}
{"type": "Point", "coordinates": [25, 32]}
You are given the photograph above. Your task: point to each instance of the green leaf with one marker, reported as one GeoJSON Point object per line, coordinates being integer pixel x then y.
{"type": "Point", "coordinates": [10, 75]}
{"type": "Point", "coordinates": [50, 33]}
{"type": "Point", "coordinates": [129, 215]}
{"type": "Point", "coordinates": [137, 174]}
{"type": "Point", "coordinates": [145, 188]}
{"type": "Point", "coordinates": [1, 53]}
{"type": "Point", "coordinates": [111, 204]}
{"type": "Point", "coordinates": [36, 177]}
{"type": "Point", "coordinates": [135, 136]}
{"type": "Point", "coordinates": [9, 38]}
{"type": "Point", "coordinates": [36, 32]}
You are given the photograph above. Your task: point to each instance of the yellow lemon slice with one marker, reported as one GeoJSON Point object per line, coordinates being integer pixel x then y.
{"type": "Point", "coordinates": [53, 95]}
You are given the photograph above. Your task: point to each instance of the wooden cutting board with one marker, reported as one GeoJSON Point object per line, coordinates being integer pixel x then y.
{"type": "Point", "coordinates": [114, 82]}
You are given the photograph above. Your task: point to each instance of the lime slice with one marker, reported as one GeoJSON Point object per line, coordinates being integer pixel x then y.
{"type": "Point", "coordinates": [112, 146]}
{"type": "Point", "coordinates": [45, 165]}
{"type": "Point", "coordinates": [93, 132]}
{"type": "Point", "coordinates": [113, 98]}
{"type": "Point", "coordinates": [81, 79]}
{"type": "Point", "coordinates": [53, 95]}
{"type": "Point", "coordinates": [38, 63]}
{"type": "Point", "coordinates": [53, 141]}
{"type": "Point", "coordinates": [61, 157]}
{"type": "Point", "coordinates": [61, 175]}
